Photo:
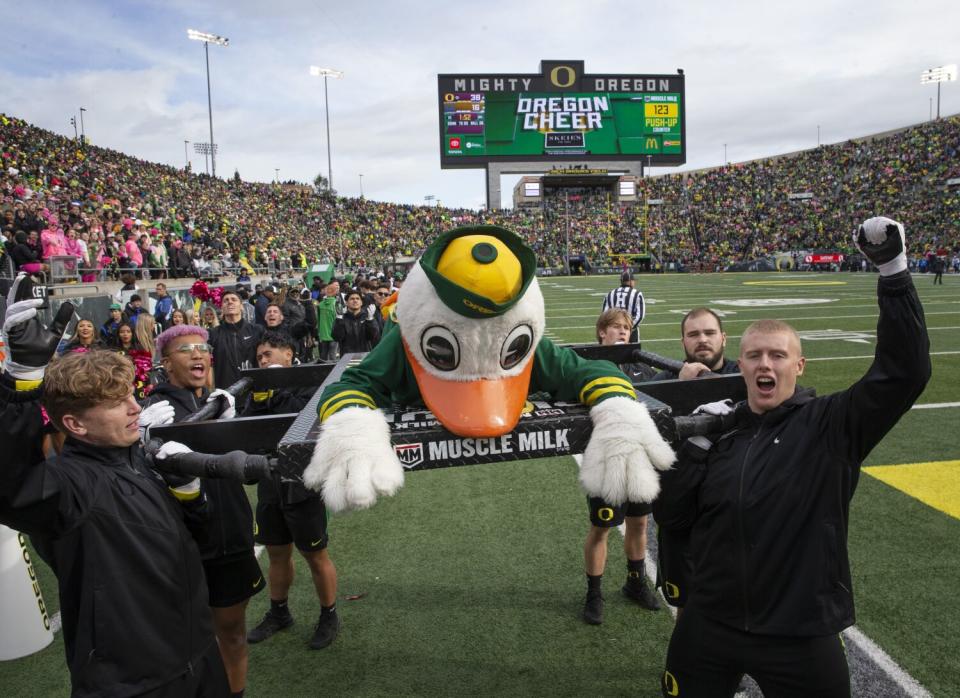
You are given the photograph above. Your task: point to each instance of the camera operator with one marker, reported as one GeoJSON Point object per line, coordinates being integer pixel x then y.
{"type": "Point", "coordinates": [132, 597]}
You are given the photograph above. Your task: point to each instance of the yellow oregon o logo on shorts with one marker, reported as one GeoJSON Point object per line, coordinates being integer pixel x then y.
{"type": "Point", "coordinates": [670, 684]}
{"type": "Point", "coordinates": [672, 590]}
{"type": "Point", "coordinates": [605, 514]}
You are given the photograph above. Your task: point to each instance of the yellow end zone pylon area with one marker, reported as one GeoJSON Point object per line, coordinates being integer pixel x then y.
{"type": "Point", "coordinates": [794, 283]}
{"type": "Point", "coordinates": [936, 484]}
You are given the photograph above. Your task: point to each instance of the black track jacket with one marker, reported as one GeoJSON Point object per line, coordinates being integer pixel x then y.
{"type": "Point", "coordinates": [132, 593]}
{"type": "Point", "coordinates": [770, 505]}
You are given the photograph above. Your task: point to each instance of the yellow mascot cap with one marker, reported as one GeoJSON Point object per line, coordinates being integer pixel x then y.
{"type": "Point", "coordinates": [484, 265]}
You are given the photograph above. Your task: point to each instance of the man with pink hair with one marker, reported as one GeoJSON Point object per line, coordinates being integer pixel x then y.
{"type": "Point", "coordinates": [232, 572]}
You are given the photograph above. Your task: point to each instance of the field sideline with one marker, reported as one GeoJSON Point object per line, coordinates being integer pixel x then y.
{"type": "Point", "coordinates": [470, 580]}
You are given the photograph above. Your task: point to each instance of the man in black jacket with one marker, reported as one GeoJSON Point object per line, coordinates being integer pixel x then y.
{"type": "Point", "coordinates": [232, 572]}
{"type": "Point", "coordinates": [288, 514]}
{"type": "Point", "coordinates": [132, 597]}
{"type": "Point", "coordinates": [234, 342]}
{"type": "Point", "coordinates": [356, 331]}
{"type": "Point", "coordinates": [704, 342]}
{"type": "Point", "coordinates": [769, 502]}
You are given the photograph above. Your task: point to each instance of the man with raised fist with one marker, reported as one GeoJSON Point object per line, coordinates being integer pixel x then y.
{"type": "Point", "coordinates": [769, 502]}
{"type": "Point", "coordinates": [114, 531]}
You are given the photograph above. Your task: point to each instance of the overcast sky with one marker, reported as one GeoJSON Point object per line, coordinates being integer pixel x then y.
{"type": "Point", "coordinates": [760, 76]}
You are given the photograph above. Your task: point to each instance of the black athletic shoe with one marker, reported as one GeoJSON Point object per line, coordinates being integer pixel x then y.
{"type": "Point", "coordinates": [593, 609]}
{"type": "Point", "coordinates": [326, 631]}
{"type": "Point", "coordinates": [643, 595]}
{"type": "Point", "coordinates": [271, 624]}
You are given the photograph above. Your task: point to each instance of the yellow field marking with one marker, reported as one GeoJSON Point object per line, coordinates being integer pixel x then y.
{"type": "Point", "coordinates": [794, 283]}
{"type": "Point", "coordinates": [936, 484]}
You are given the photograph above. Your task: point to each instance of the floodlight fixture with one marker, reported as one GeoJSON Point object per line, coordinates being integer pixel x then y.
{"type": "Point", "coordinates": [942, 73]}
{"type": "Point", "coordinates": [318, 72]}
{"type": "Point", "coordinates": [208, 38]}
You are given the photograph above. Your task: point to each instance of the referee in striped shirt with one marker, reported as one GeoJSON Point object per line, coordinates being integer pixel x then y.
{"type": "Point", "coordinates": [627, 298]}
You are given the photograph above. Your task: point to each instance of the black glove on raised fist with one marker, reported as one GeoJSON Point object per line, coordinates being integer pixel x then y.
{"type": "Point", "coordinates": [881, 240]}
{"type": "Point", "coordinates": [30, 344]}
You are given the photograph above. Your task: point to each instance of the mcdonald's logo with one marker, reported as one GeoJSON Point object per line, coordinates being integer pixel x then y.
{"type": "Point", "coordinates": [651, 144]}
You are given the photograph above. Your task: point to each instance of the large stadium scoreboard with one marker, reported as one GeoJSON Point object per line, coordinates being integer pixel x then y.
{"type": "Point", "coordinates": [561, 112]}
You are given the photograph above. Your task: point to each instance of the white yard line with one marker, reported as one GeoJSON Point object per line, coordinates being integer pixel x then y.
{"type": "Point", "coordinates": [870, 356]}
{"type": "Point", "coordinates": [897, 674]}
{"type": "Point", "coordinates": [733, 321]}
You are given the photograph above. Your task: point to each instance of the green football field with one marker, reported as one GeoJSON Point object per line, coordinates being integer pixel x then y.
{"type": "Point", "coordinates": [470, 580]}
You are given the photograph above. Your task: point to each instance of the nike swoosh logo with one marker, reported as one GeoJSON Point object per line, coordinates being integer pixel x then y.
{"type": "Point", "coordinates": [315, 543]}
{"type": "Point", "coordinates": [257, 583]}
{"type": "Point", "coordinates": [776, 440]}
{"type": "Point", "coordinates": [246, 338]}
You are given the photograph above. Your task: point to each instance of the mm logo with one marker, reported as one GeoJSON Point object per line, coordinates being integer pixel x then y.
{"type": "Point", "coordinates": [409, 455]}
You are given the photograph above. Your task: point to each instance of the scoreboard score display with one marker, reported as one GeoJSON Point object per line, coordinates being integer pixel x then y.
{"type": "Point", "coordinates": [562, 112]}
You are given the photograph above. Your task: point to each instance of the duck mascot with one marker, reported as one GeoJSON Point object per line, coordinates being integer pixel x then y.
{"type": "Point", "coordinates": [465, 338]}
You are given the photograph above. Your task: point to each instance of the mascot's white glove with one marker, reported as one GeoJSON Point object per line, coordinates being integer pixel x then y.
{"type": "Point", "coordinates": [883, 242]}
{"type": "Point", "coordinates": [230, 411]}
{"type": "Point", "coordinates": [718, 408]}
{"type": "Point", "coordinates": [157, 414]}
{"type": "Point", "coordinates": [354, 461]}
{"type": "Point", "coordinates": [624, 453]}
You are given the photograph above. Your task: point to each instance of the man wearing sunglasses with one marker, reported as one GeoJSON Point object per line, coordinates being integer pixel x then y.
{"type": "Point", "coordinates": [231, 568]}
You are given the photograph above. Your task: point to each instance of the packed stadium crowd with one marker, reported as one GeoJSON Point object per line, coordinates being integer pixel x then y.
{"type": "Point", "coordinates": [114, 212]}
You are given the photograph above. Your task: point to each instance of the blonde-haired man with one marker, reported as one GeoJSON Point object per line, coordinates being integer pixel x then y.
{"type": "Point", "coordinates": [769, 502]}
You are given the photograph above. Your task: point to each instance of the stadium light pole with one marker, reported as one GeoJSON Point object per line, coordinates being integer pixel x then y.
{"type": "Point", "coordinates": [276, 177]}
{"type": "Point", "coordinates": [566, 235]}
{"type": "Point", "coordinates": [724, 154]}
{"type": "Point", "coordinates": [818, 135]}
{"type": "Point", "coordinates": [940, 74]}
{"type": "Point", "coordinates": [361, 186]}
{"type": "Point", "coordinates": [83, 135]}
{"type": "Point", "coordinates": [186, 158]}
{"type": "Point", "coordinates": [325, 73]}
{"type": "Point", "coordinates": [73, 122]}
{"type": "Point", "coordinates": [208, 39]}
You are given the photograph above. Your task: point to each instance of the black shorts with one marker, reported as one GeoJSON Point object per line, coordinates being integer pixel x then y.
{"type": "Point", "coordinates": [605, 515]}
{"type": "Point", "coordinates": [303, 523]}
{"type": "Point", "coordinates": [674, 565]}
{"type": "Point", "coordinates": [706, 659]}
{"type": "Point", "coordinates": [233, 579]}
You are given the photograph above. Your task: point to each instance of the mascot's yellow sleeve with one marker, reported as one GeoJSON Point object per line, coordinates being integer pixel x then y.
{"type": "Point", "coordinates": [568, 376]}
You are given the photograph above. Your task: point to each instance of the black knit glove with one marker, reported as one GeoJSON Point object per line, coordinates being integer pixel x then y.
{"type": "Point", "coordinates": [31, 345]}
